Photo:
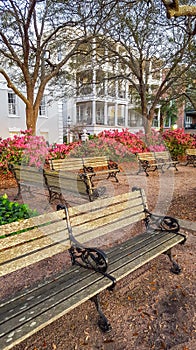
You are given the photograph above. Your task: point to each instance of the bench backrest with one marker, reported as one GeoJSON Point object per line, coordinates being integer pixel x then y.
{"type": "Point", "coordinates": [191, 151]}
{"type": "Point", "coordinates": [93, 220]}
{"type": "Point", "coordinates": [44, 236]}
{"type": "Point", "coordinates": [27, 175]}
{"type": "Point", "coordinates": [68, 183]}
{"type": "Point", "coordinates": [163, 155]}
{"type": "Point", "coordinates": [47, 235]}
{"type": "Point", "coordinates": [96, 162]}
{"type": "Point", "coordinates": [149, 156]}
{"type": "Point", "coordinates": [69, 164]}
{"type": "Point", "coordinates": [77, 164]}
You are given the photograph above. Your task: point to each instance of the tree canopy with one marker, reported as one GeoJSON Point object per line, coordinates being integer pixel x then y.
{"type": "Point", "coordinates": [40, 38]}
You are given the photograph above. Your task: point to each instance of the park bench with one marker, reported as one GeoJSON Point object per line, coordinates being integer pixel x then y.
{"type": "Point", "coordinates": [151, 161]}
{"type": "Point", "coordinates": [28, 178]}
{"type": "Point", "coordinates": [82, 230]}
{"type": "Point", "coordinates": [58, 184]}
{"type": "Point", "coordinates": [191, 156]}
{"type": "Point", "coordinates": [164, 159]}
{"type": "Point", "coordinates": [98, 166]}
{"type": "Point", "coordinates": [69, 186]}
{"type": "Point", "coordinates": [93, 166]}
{"type": "Point", "coordinates": [146, 162]}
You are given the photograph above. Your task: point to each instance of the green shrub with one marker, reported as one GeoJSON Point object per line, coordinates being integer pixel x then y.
{"type": "Point", "coordinates": [13, 211]}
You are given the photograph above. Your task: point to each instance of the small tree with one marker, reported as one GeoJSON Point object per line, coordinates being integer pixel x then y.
{"type": "Point", "coordinates": [37, 40]}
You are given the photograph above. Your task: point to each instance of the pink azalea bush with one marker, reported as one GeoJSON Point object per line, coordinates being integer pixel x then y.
{"type": "Point", "coordinates": [154, 142]}
{"type": "Point", "coordinates": [131, 141]}
{"type": "Point", "coordinates": [177, 141]}
{"type": "Point", "coordinates": [102, 146]}
{"type": "Point", "coordinates": [25, 148]}
{"type": "Point", "coordinates": [118, 145]}
{"type": "Point", "coordinates": [59, 151]}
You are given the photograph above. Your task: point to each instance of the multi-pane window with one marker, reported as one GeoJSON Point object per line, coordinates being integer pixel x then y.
{"type": "Point", "coordinates": [42, 107]}
{"type": "Point", "coordinates": [167, 122]}
{"type": "Point", "coordinates": [11, 103]}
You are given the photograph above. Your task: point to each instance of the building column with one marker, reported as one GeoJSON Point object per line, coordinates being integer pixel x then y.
{"type": "Point", "coordinates": [126, 115]}
{"type": "Point", "coordinates": [105, 113]}
{"type": "Point", "coordinates": [116, 114]}
{"type": "Point", "coordinates": [93, 112]}
{"type": "Point", "coordinates": [94, 83]}
{"type": "Point", "coordinates": [159, 117]}
{"type": "Point", "coordinates": [60, 122]}
{"type": "Point", "coordinates": [106, 103]}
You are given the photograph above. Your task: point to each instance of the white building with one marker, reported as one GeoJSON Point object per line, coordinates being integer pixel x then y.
{"type": "Point", "coordinates": [98, 102]}
{"type": "Point", "coordinates": [13, 118]}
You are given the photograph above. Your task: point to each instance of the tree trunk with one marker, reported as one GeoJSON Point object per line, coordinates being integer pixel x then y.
{"type": "Point", "coordinates": [148, 124]}
{"type": "Point", "coordinates": [31, 118]}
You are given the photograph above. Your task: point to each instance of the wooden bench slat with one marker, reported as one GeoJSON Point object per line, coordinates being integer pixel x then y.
{"type": "Point", "coordinates": [117, 209]}
{"type": "Point", "coordinates": [35, 257]}
{"type": "Point", "coordinates": [111, 219]}
{"type": "Point", "coordinates": [27, 247]}
{"type": "Point", "coordinates": [105, 202]}
{"type": "Point", "coordinates": [147, 256]}
{"type": "Point", "coordinates": [84, 237]}
{"type": "Point", "coordinates": [31, 222]}
{"type": "Point", "coordinates": [67, 164]}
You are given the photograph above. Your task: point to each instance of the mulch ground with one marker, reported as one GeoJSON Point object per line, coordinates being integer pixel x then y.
{"type": "Point", "coordinates": [150, 309]}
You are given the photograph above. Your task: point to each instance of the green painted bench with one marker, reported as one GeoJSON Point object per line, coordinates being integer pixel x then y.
{"type": "Point", "coordinates": [82, 231]}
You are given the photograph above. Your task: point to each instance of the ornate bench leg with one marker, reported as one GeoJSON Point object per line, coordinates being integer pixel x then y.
{"type": "Point", "coordinates": [103, 322]}
{"type": "Point", "coordinates": [18, 193]}
{"type": "Point", "coordinates": [175, 267]}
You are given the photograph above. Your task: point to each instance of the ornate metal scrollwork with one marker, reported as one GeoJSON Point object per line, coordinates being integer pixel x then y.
{"type": "Point", "coordinates": [88, 169]}
{"type": "Point", "coordinates": [164, 223]}
{"type": "Point", "coordinates": [89, 258]}
{"type": "Point", "coordinates": [170, 224]}
{"type": "Point", "coordinates": [112, 165]}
